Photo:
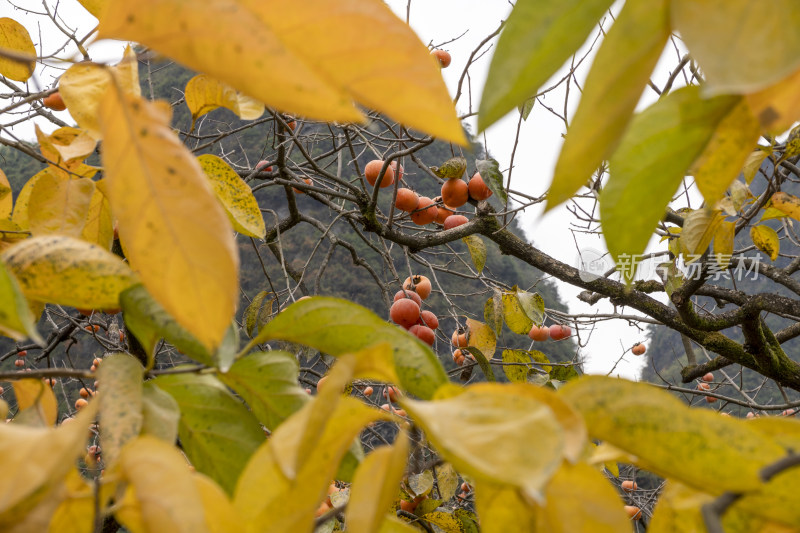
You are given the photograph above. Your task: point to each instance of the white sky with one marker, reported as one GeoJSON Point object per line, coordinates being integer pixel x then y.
{"type": "Point", "coordinates": [438, 21]}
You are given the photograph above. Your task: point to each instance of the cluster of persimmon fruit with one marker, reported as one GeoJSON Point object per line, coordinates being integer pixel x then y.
{"type": "Point", "coordinates": [556, 332]}
{"type": "Point", "coordinates": [423, 210]}
{"type": "Point", "coordinates": [705, 384]}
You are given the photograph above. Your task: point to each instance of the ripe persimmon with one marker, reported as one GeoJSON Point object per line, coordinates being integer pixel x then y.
{"type": "Point", "coordinates": [710, 399]}
{"type": "Point", "coordinates": [408, 293]}
{"type": "Point", "coordinates": [80, 403]}
{"type": "Point", "coordinates": [407, 200]}
{"type": "Point", "coordinates": [307, 181]}
{"type": "Point", "coordinates": [442, 212]}
{"type": "Point", "coordinates": [539, 333]}
{"type": "Point", "coordinates": [368, 391]}
{"type": "Point", "coordinates": [454, 221]}
{"type": "Point", "coordinates": [478, 189]}
{"type": "Point", "coordinates": [443, 57]}
{"type": "Point", "coordinates": [629, 486]}
{"type": "Point", "coordinates": [264, 166]}
{"type": "Point", "coordinates": [397, 175]}
{"type": "Point", "coordinates": [633, 512]}
{"type": "Point", "coordinates": [392, 393]}
{"type": "Point", "coordinates": [19, 363]}
{"type": "Point", "coordinates": [54, 102]}
{"type": "Point", "coordinates": [419, 284]}
{"type": "Point", "coordinates": [84, 392]}
{"type": "Point", "coordinates": [703, 386]}
{"type": "Point", "coordinates": [373, 170]}
{"type": "Point", "coordinates": [292, 125]}
{"type": "Point", "coordinates": [460, 338]}
{"type": "Point", "coordinates": [408, 506]}
{"type": "Point", "coordinates": [423, 333]}
{"type": "Point", "coordinates": [426, 318]}
{"type": "Point", "coordinates": [638, 349]}
{"type": "Point", "coordinates": [455, 193]}
{"type": "Point", "coordinates": [22, 353]}
{"type": "Point", "coordinates": [425, 213]}
{"type": "Point", "coordinates": [708, 378]}
{"type": "Point", "coordinates": [405, 312]}
{"type": "Point", "coordinates": [559, 332]}
{"type": "Point", "coordinates": [458, 357]}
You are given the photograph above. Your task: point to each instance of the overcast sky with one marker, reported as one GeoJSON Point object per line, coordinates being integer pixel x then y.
{"type": "Point", "coordinates": [468, 22]}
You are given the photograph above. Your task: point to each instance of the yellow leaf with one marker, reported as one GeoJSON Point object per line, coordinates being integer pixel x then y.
{"type": "Point", "coordinates": [753, 163]}
{"type": "Point", "coordinates": [204, 94]}
{"type": "Point", "coordinates": [164, 487]}
{"type": "Point", "coordinates": [16, 39]}
{"type": "Point", "coordinates": [6, 199]}
{"type": "Point", "coordinates": [173, 230]}
{"type": "Point", "coordinates": [66, 146]}
{"type": "Point", "coordinates": [281, 53]}
{"type": "Point", "coordinates": [83, 86]}
{"type": "Point", "coordinates": [95, 7]}
{"type": "Point", "coordinates": [723, 243]}
{"type": "Point", "coordinates": [579, 498]}
{"type": "Point", "coordinates": [446, 522]}
{"type": "Point", "coordinates": [59, 205]}
{"type": "Point", "coordinates": [482, 337]}
{"type": "Point", "coordinates": [264, 494]}
{"type": "Point", "coordinates": [120, 382]}
{"type": "Point", "coordinates": [725, 154]}
{"type": "Point", "coordinates": [766, 239]}
{"type": "Point", "coordinates": [75, 513]}
{"type": "Point", "coordinates": [20, 215]}
{"type": "Point", "coordinates": [392, 524]}
{"type": "Point", "coordinates": [515, 317]}
{"type": "Point", "coordinates": [38, 459]}
{"type": "Point", "coordinates": [453, 168]}
{"type": "Point", "coordinates": [786, 203]}
{"type": "Point", "coordinates": [488, 416]}
{"type": "Point", "coordinates": [698, 229]}
{"type": "Point", "coordinates": [777, 107]}
{"type": "Point", "coordinates": [502, 508]}
{"type": "Point", "coordinates": [375, 486]}
{"type": "Point", "coordinates": [68, 271]}
{"type": "Point", "coordinates": [16, 319]}
{"type": "Point", "coordinates": [221, 516]}
{"type": "Point", "coordinates": [99, 228]}
{"type": "Point", "coordinates": [235, 196]}
{"type": "Point", "coordinates": [36, 402]}
{"type": "Point", "coordinates": [658, 429]}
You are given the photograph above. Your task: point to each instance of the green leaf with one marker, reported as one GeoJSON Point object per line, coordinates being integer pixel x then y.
{"type": "Point", "coordinates": [235, 196]}
{"type": "Point", "coordinates": [652, 159]}
{"type": "Point", "coordinates": [726, 153]}
{"type": "Point", "coordinates": [451, 169]}
{"type": "Point", "coordinates": [526, 108]}
{"type": "Point", "coordinates": [161, 413]}
{"type": "Point", "coordinates": [477, 251]}
{"type": "Point", "coordinates": [533, 306]}
{"type": "Point", "coordinates": [563, 372]}
{"type": "Point", "coordinates": [766, 239]}
{"type": "Point", "coordinates": [149, 322]}
{"type": "Point", "coordinates": [337, 327]}
{"type": "Point", "coordinates": [217, 432]}
{"type": "Point", "coordinates": [486, 368]}
{"type": "Point", "coordinates": [516, 373]}
{"type": "Point", "coordinates": [16, 319]}
{"type": "Point", "coordinates": [120, 383]}
{"type": "Point", "coordinates": [763, 49]}
{"type": "Point", "coordinates": [516, 318]}
{"type": "Point", "coordinates": [493, 312]}
{"type": "Point", "coordinates": [228, 349]}
{"type": "Point", "coordinates": [537, 39]}
{"type": "Point", "coordinates": [267, 381]}
{"type": "Point", "coordinates": [659, 429]}
{"type": "Point", "coordinates": [612, 89]}
{"type": "Point", "coordinates": [489, 170]}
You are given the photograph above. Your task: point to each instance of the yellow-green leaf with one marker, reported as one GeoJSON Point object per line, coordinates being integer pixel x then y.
{"type": "Point", "coordinates": [6, 199]}
{"type": "Point", "coordinates": [67, 271]}
{"type": "Point", "coordinates": [580, 498]}
{"type": "Point", "coordinates": [163, 485]}
{"type": "Point", "coordinates": [657, 149]}
{"type": "Point", "coordinates": [726, 152]}
{"type": "Point", "coordinates": [281, 53]}
{"type": "Point", "coordinates": [612, 89]}
{"type": "Point", "coordinates": [99, 228]}
{"type": "Point", "coordinates": [16, 39]}
{"type": "Point", "coordinates": [375, 486]}
{"type": "Point", "coordinates": [516, 318]}
{"type": "Point", "coordinates": [466, 429]}
{"type": "Point", "coordinates": [204, 94]}
{"type": "Point", "coordinates": [59, 205]}
{"type": "Point", "coordinates": [532, 304]}
{"type": "Point", "coordinates": [16, 319]}
{"type": "Point", "coordinates": [38, 459]}
{"type": "Point", "coordinates": [235, 196]}
{"type": "Point", "coordinates": [83, 86]}
{"type": "Point", "coordinates": [173, 229]}
{"type": "Point", "coordinates": [695, 446]}
{"type": "Point", "coordinates": [160, 413]}
{"type": "Point", "coordinates": [537, 39]}
{"type": "Point", "coordinates": [493, 312]}
{"type": "Point", "coordinates": [766, 239]}
{"type": "Point", "coordinates": [771, 213]}
{"type": "Point", "coordinates": [516, 367]}
{"type": "Point", "coordinates": [453, 168]}
{"type": "Point", "coordinates": [723, 242]}
{"type": "Point", "coordinates": [120, 383]}
{"type": "Point", "coordinates": [446, 522]}
{"type": "Point", "coordinates": [786, 203]}
{"type": "Point", "coordinates": [489, 170]}
{"type": "Point", "coordinates": [477, 251]}
{"type": "Point", "coordinates": [763, 50]}
{"type": "Point", "coordinates": [699, 228]}
{"type": "Point", "coordinates": [36, 403]}
{"type": "Point", "coordinates": [482, 337]}
{"type": "Point", "coordinates": [753, 163]}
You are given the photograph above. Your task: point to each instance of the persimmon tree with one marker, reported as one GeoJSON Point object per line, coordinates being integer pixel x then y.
{"type": "Point", "coordinates": [199, 418]}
